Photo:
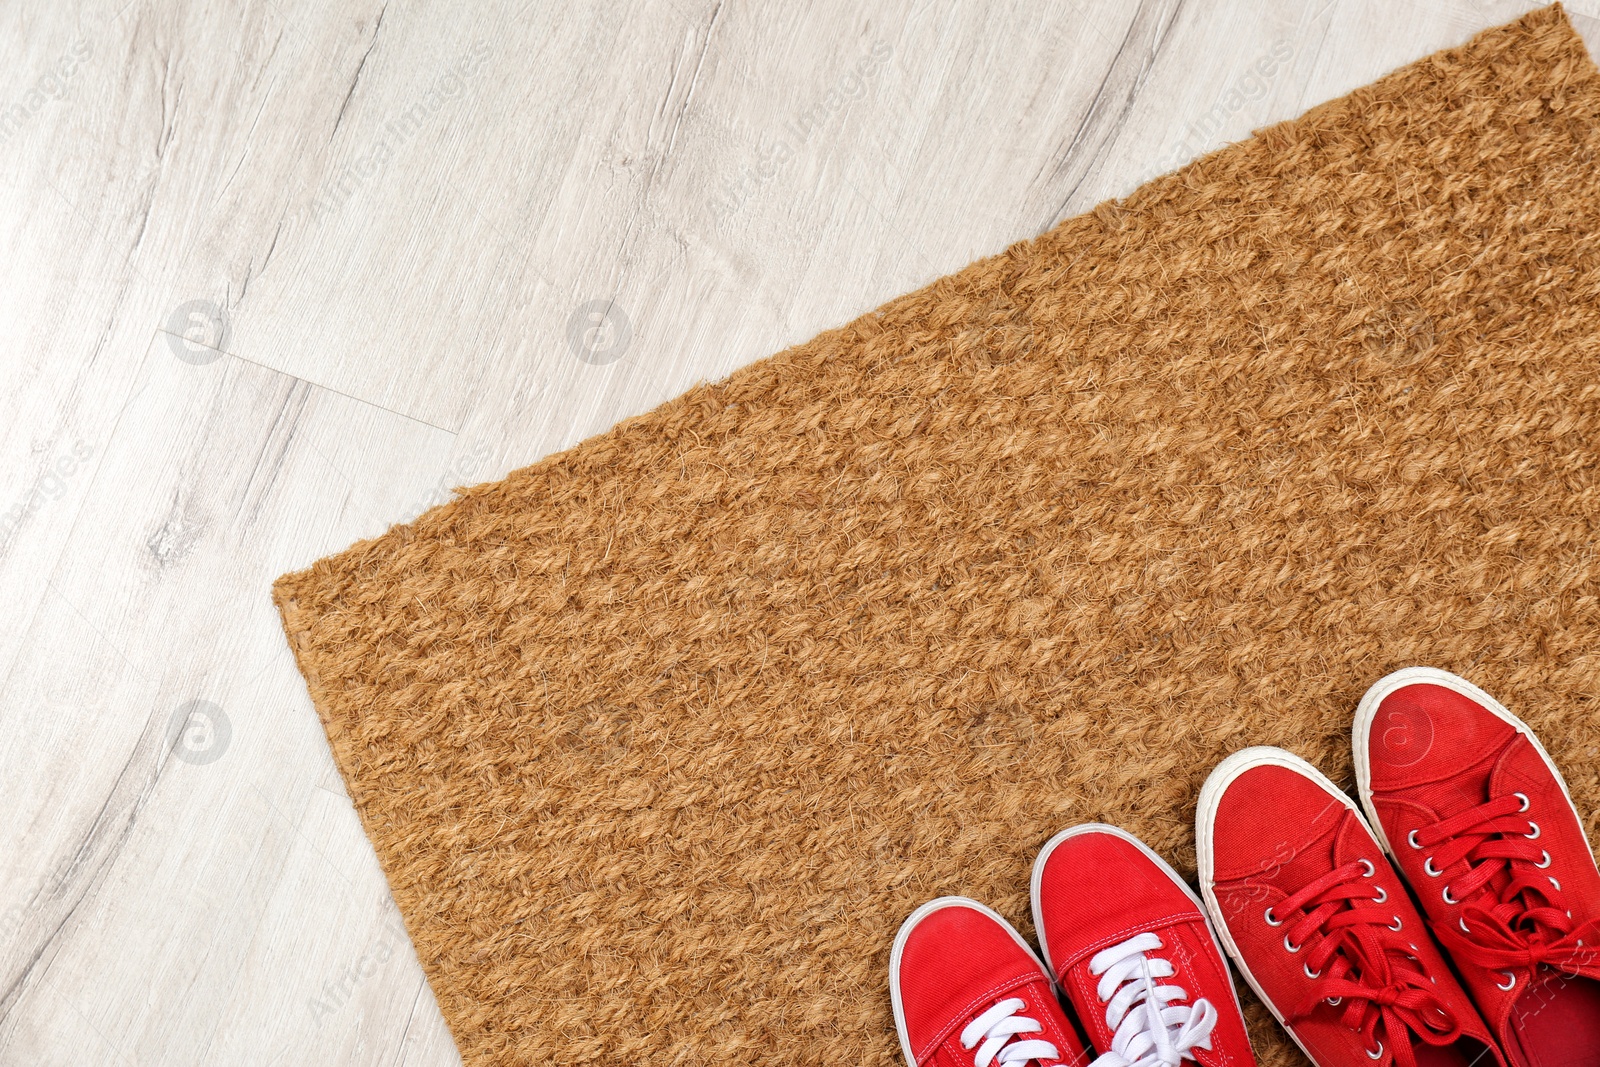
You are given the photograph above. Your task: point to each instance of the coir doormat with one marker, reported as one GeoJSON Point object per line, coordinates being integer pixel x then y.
{"type": "Point", "coordinates": [660, 738]}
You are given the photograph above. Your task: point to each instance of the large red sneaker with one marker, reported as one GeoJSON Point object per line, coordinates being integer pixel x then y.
{"type": "Point", "coordinates": [1479, 821]}
{"type": "Point", "coordinates": [1131, 947]}
{"type": "Point", "coordinates": [968, 992]}
{"type": "Point", "coordinates": [1321, 926]}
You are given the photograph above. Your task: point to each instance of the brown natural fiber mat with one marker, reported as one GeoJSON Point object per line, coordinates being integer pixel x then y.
{"type": "Point", "coordinates": [660, 738]}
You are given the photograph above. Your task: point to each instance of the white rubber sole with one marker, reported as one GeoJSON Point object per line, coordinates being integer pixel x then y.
{"type": "Point", "coordinates": [1367, 710]}
{"type": "Point", "coordinates": [1104, 828]}
{"type": "Point", "coordinates": [900, 944]}
{"type": "Point", "coordinates": [1204, 820]}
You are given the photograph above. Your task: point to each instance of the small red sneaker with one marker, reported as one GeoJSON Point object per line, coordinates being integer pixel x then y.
{"type": "Point", "coordinates": [1321, 926]}
{"type": "Point", "coordinates": [1478, 819]}
{"type": "Point", "coordinates": [1114, 921]}
{"type": "Point", "coordinates": [968, 992]}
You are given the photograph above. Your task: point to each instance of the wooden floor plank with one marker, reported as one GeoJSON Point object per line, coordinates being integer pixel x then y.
{"type": "Point", "coordinates": [280, 274]}
{"type": "Point", "coordinates": [180, 846]}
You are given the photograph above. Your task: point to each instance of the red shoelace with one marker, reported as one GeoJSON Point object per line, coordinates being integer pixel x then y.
{"type": "Point", "coordinates": [1513, 915]}
{"type": "Point", "coordinates": [1358, 955]}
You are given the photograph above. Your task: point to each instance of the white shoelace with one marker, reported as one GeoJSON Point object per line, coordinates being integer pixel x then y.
{"type": "Point", "coordinates": [1148, 1032]}
{"type": "Point", "coordinates": [999, 1025]}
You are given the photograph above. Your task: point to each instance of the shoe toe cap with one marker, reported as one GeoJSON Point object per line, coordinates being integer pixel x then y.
{"type": "Point", "coordinates": [955, 957]}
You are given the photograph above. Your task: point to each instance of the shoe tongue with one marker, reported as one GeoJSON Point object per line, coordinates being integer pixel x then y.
{"type": "Point", "coordinates": [1353, 842]}
{"type": "Point", "coordinates": [1317, 852]}
{"type": "Point", "coordinates": [1516, 768]}
{"type": "Point", "coordinates": [1455, 794]}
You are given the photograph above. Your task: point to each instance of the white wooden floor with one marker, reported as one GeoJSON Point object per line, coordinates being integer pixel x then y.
{"type": "Point", "coordinates": [278, 274]}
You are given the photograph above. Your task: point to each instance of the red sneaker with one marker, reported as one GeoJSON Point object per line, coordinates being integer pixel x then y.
{"type": "Point", "coordinates": [1321, 926]}
{"type": "Point", "coordinates": [1113, 921]}
{"type": "Point", "coordinates": [1478, 819]}
{"type": "Point", "coordinates": [968, 992]}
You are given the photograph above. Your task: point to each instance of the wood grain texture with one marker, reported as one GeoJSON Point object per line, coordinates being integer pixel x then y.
{"type": "Point", "coordinates": [391, 225]}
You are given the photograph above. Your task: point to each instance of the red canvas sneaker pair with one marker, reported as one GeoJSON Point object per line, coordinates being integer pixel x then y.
{"type": "Point", "coordinates": [1123, 937]}
{"type": "Point", "coordinates": [1477, 819]}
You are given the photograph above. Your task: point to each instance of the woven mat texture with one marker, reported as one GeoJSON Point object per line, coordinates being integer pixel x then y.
{"type": "Point", "coordinates": [660, 738]}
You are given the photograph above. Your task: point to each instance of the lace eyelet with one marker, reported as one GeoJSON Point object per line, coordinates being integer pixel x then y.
{"type": "Point", "coordinates": [1383, 895]}
{"type": "Point", "coordinates": [1463, 924]}
{"type": "Point", "coordinates": [1542, 864]}
{"type": "Point", "coordinates": [1333, 1002]}
{"type": "Point", "coordinates": [1369, 868]}
{"type": "Point", "coordinates": [1554, 883]}
{"type": "Point", "coordinates": [1447, 898]}
{"type": "Point", "coordinates": [1290, 947]}
{"type": "Point", "coordinates": [1377, 1053]}
{"type": "Point", "coordinates": [1533, 835]}
{"type": "Point", "coordinates": [1511, 981]}
{"type": "Point", "coordinates": [1429, 869]}
{"type": "Point", "coordinates": [1524, 798]}
{"type": "Point", "coordinates": [1397, 925]}
{"type": "Point", "coordinates": [1267, 915]}
{"type": "Point", "coordinates": [1411, 839]}
{"type": "Point", "coordinates": [1313, 975]}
